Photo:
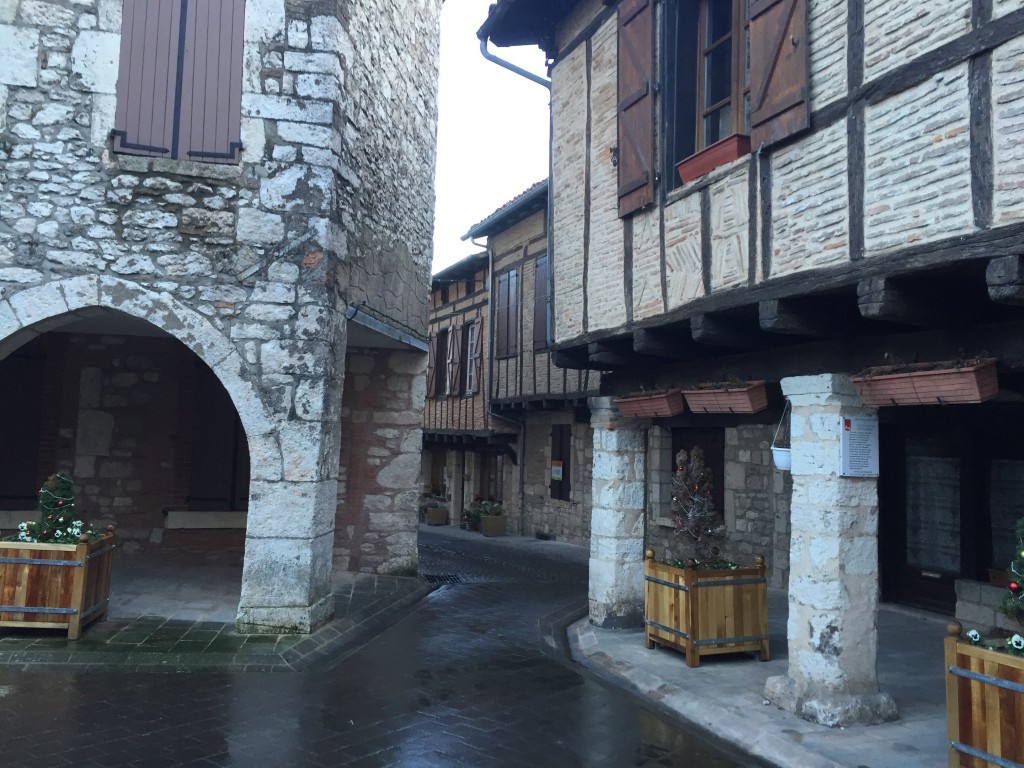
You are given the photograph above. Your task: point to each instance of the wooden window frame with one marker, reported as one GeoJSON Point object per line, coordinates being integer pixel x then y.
{"type": "Point", "coordinates": [440, 359]}
{"type": "Point", "coordinates": [507, 315]}
{"type": "Point", "coordinates": [470, 336]}
{"type": "Point", "coordinates": [739, 30]}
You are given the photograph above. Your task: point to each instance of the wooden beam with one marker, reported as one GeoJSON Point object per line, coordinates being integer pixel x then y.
{"type": "Point", "coordinates": [882, 298]}
{"type": "Point", "coordinates": [575, 358]}
{"type": "Point", "coordinates": [673, 344]}
{"type": "Point", "coordinates": [790, 317]}
{"type": "Point", "coordinates": [606, 355]}
{"type": "Point", "coordinates": [1004, 277]}
{"type": "Point", "coordinates": [710, 329]}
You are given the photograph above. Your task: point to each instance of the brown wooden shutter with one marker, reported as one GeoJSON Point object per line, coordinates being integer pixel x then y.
{"type": "Point", "coordinates": [432, 366]}
{"type": "Point", "coordinates": [211, 75]}
{"type": "Point", "coordinates": [147, 77]}
{"type": "Point", "coordinates": [540, 304]}
{"type": "Point", "coordinates": [455, 362]}
{"type": "Point", "coordinates": [779, 71]}
{"type": "Point", "coordinates": [478, 357]}
{"type": "Point", "coordinates": [501, 318]}
{"type": "Point", "coordinates": [636, 105]}
{"type": "Point", "coordinates": [513, 313]}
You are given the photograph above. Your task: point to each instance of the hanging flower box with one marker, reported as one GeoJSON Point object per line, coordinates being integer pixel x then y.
{"type": "Point", "coordinates": [727, 397]}
{"type": "Point", "coordinates": [706, 611]}
{"type": "Point", "coordinates": [938, 383]}
{"type": "Point", "coordinates": [55, 586]}
{"type": "Point", "coordinates": [651, 405]}
{"type": "Point", "coordinates": [984, 704]}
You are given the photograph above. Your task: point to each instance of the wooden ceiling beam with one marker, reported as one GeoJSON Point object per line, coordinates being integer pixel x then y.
{"type": "Point", "coordinates": [1004, 277]}
{"type": "Point", "coordinates": [716, 331]}
{"type": "Point", "coordinates": [882, 298]}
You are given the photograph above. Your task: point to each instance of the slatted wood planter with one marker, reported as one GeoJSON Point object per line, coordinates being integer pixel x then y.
{"type": "Point", "coordinates": [702, 612]}
{"type": "Point", "coordinates": [55, 586]}
{"type": "Point", "coordinates": [493, 525]}
{"type": "Point", "coordinates": [727, 398]}
{"type": "Point", "coordinates": [929, 384]}
{"type": "Point", "coordinates": [984, 705]}
{"type": "Point", "coordinates": [651, 405]}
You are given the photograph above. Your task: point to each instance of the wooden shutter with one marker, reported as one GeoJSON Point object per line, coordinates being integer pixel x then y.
{"type": "Point", "coordinates": [432, 366]}
{"type": "Point", "coordinates": [636, 105]}
{"type": "Point", "coordinates": [501, 319]}
{"type": "Point", "coordinates": [455, 362]}
{"type": "Point", "coordinates": [147, 77]}
{"type": "Point", "coordinates": [478, 357]}
{"type": "Point", "coordinates": [513, 312]}
{"type": "Point", "coordinates": [540, 304]}
{"type": "Point", "coordinates": [779, 70]}
{"type": "Point", "coordinates": [211, 93]}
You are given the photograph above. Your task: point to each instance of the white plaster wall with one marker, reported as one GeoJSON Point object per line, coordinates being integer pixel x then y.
{"type": "Point", "coordinates": [1003, 7]}
{"type": "Point", "coordinates": [647, 300]}
{"type": "Point", "coordinates": [683, 270]}
{"type": "Point", "coordinates": [730, 229]}
{"type": "Point", "coordinates": [827, 33]}
{"type": "Point", "coordinates": [917, 164]}
{"type": "Point", "coordinates": [810, 202]}
{"type": "Point", "coordinates": [1008, 132]}
{"type": "Point", "coordinates": [897, 33]}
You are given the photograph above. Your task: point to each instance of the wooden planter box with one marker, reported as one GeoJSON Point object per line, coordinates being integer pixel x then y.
{"type": "Point", "coordinates": [727, 150]}
{"type": "Point", "coordinates": [651, 405]}
{"type": "Point", "coordinates": [984, 705]}
{"type": "Point", "coordinates": [701, 612]}
{"type": "Point", "coordinates": [492, 525]}
{"type": "Point", "coordinates": [55, 586]}
{"type": "Point", "coordinates": [437, 515]}
{"type": "Point", "coordinates": [929, 384]}
{"type": "Point", "coordinates": [748, 398]}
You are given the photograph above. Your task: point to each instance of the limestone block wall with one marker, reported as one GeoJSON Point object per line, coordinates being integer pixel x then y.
{"type": "Point", "coordinates": [539, 513]}
{"type": "Point", "coordinates": [381, 446]}
{"type": "Point", "coordinates": [827, 35]}
{"type": "Point", "coordinates": [1007, 126]}
{"type": "Point", "coordinates": [894, 35]}
{"type": "Point", "coordinates": [683, 246]}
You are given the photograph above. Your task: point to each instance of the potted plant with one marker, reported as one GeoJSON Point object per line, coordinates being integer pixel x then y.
{"type": "Point", "coordinates": [471, 518]}
{"type": "Point", "coordinates": [651, 405]}
{"type": "Point", "coordinates": [492, 518]}
{"type": "Point", "coordinates": [705, 604]}
{"type": "Point", "coordinates": [55, 572]}
{"type": "Point", "coordinates": [985, 683]}
{"type": "Point", "coordinates": [966, 380]}
{"type": "Point", "coordinates": [434, 511]}
{"type": "Point", "coordinates": [732, 396]}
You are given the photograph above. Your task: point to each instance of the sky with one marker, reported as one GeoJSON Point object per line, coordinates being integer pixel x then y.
{"type": "Point", "coordinates": [492, 129]}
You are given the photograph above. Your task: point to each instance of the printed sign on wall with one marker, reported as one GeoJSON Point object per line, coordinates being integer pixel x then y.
{"type": "Point", "coordinates": [858, 446]}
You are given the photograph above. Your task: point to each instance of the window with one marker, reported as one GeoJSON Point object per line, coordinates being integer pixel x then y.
{"type": "Point", "coordinates": [472, 354]}
{"type": "Point", "coordinates": [561, 463]}
{"type": "Point", "coordinates": [506, 333]}
{"type": "Point", "coordinates": [541, 305]}
{"type": "Point", "coordinates": [437, 354]}
{"type": "Point", "coordinates": [179, 85]}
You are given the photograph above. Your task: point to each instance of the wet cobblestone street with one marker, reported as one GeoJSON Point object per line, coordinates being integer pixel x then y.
{"type": "Point", "coordinates": [461, 680]}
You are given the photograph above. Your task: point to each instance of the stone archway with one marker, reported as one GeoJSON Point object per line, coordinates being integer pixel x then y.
{"type": "Point", "coordinates": [286, 584]}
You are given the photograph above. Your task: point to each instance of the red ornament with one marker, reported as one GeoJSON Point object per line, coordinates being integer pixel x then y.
{"type": "Point", "coordinates": [1015, 588]}
{"type": "Point", "coordinates": [60, 503]}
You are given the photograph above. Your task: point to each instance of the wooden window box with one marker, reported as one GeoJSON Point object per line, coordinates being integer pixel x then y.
{"type": "Point", "coordinates": [727, 398]}
{"type": "Point", "coordinates": [651, 405]}
{"type": "Point", "coordinates": [720, 153]}
{"type": "Point", "coordinates": [928, 383]}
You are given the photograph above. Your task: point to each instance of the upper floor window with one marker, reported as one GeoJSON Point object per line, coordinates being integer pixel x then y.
{"type": "Point", "coordinates": [541, 304]}
{"type": "Point", "coordinates": [506, 316]}
{"type": "Point", "coordinates": [179, 85]}
{"type": "Point", "coordinates": [437, 357]}
{"type": "Point", "coordinates": [472, 354]}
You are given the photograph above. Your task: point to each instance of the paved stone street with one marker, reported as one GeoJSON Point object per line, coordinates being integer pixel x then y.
{"type": "Point", "coordinates": [469, 677]}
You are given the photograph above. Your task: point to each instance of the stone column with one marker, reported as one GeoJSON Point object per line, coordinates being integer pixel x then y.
{"type": "Point", "coordinates": [455, 464]}
{"type": "Point", "coordinates": [617, 519]}
{"type": "Point", "coordinates": [833, 581]}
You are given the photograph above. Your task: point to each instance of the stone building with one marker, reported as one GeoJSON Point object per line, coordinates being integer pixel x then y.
{"type": "Point", "coordinates": [841, 193]}
{"type": "Point", "coordinates": [214, 264]}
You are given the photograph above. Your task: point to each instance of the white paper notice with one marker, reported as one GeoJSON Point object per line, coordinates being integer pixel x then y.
{"type": "Point", "coordinates": [858, 446]}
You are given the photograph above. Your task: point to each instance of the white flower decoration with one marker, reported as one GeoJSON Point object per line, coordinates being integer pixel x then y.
{"type": "Point", "coordinates": [974, 636]}
{"type": "Point", "coordinates": [1017, 642]}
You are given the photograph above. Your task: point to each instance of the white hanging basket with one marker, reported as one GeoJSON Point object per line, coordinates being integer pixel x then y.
{"type": "Point", "coordinates": [782, 455]}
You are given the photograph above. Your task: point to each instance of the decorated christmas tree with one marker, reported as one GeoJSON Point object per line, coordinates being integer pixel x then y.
{"type": "Point", "coordinates": [693, 507]}
{"type": "Point", "coordinates": [1013, 603]}
{"type": "Point", "coordinates": [58, 521]}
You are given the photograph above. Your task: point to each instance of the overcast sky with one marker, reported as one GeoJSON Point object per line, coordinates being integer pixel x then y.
{"type": "Point", "coordinates": [492, 131]}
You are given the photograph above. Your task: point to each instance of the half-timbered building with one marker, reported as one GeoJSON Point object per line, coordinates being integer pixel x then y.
{"type": "Point", "coordinates": [792, 191]}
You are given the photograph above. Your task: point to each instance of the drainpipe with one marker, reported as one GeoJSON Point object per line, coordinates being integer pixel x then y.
{"type": "Point", "coordinates": [510, 66]}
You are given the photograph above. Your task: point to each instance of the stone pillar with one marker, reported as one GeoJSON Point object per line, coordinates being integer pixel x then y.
{"type": "Point", "coordinates": [617, 519]}
{"type": "Point", "coordinates": [455, 465]}
{"type": "Point", "coordinates": [833, 581]}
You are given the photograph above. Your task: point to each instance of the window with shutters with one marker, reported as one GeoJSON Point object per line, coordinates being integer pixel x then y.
{"type": "Point", "coordinates": [737, 75]}
{"type": "Point", "coordinates": [472, 356]}
{"type": "Point", "coordinates": [437, 365]}
{"type": "Point", "coordinates": [506, 332]}
{"type": "Point", "coordinates": [179, 85]}
{"type": "Point", "coordinates": [541, 305]}
{"type": "Point", "coordinates": [561, 465]}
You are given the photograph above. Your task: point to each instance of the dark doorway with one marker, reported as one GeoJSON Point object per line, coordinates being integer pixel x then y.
{"type": "Point", "coordinates": [21, 392]}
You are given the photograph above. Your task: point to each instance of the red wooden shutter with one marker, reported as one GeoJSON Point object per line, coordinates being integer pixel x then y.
{"type": "Point", "coordinates": [211, 94]}
{"type": "Point", "coordinates": [432, 366]}
{"type": "Point", "coordinates": [147, 77]}
{"type": "Point", "coordinates": [636, 105]}
{"type": "Point", "coordinates": [540, 304]}
{"type": "Point", "coordinates": [779, 70]}
{"type": "Point", "coordinates": [513, 313]}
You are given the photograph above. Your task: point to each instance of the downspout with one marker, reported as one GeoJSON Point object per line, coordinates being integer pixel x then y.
{"type": "Point", "coordinates": [490, 378]}
{"type": "Point", "coordinates": [510, 66]}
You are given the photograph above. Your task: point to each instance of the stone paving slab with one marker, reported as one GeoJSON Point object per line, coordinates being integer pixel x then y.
{"type": "Point", "coordinates": [364, 605]}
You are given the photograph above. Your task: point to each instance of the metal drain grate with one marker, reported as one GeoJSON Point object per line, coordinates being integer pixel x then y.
{"type": "Point", "coordinates": [441, 578]}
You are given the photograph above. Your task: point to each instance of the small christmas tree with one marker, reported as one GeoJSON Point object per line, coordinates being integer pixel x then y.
{"type": "Point", "coordinates": [693, 507]}
{"type": "Point", "coordinates": [58, 522]}
{"type": "Point", "coordinates": [1013, 603]}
